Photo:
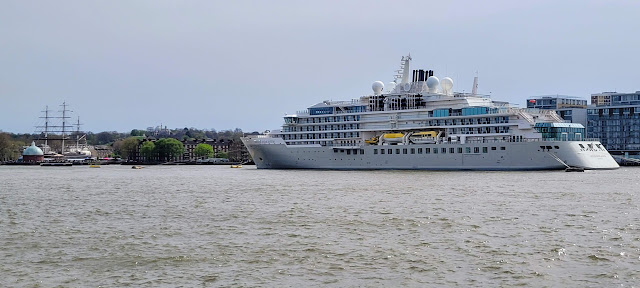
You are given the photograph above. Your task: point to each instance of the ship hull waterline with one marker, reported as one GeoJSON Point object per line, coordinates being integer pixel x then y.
{"type": "Point", "coordinates": [542, 155]}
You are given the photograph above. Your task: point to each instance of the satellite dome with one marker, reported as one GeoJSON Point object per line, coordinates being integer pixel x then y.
{"type": "Point", "coordinates": [32, 150]}
{"type": "Point", "coordinates": [377, 87]}
{"type": "Point", "coordinates": [391, 86]}
{"type": "Point", "coordinates": [447, 84]}
{"type": "Point", "coordinates": [432, 83]}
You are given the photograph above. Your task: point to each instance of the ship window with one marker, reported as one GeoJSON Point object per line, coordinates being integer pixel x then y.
{"type": "Point", "coordinates": [581, 146]}
{"type": "Point", "coordinates": [404, 151]}
{"type": "Point", "coordinates": [390, 151]}
{"type": "Point", "coordinates": [435, 150]}
{"type": "Point", "coordinates": [341, 150]}
{"type": "Point", "coordinates": [590, 146]}
{"type": "Point", "coordinates": [419, 150]}
{"type": "Point", "coordinates": [503, 148]}
{"type": "Point", "coordinates": [467, 149]}
{"type": "Point", "coordinates": [362, 151]}
{"type": "Point", "coordinates": [598, 145]}
{"type": "Point", "coordinates": [549, 147]}
{"type": "Point", "coordinates": [348, 152]}
{"type": "Point", "coordinates": [427, 150]}
{"type": "Point", "coordinates": [381, 151]}
{"type": "Point", "coordinates": [476, 149]}
{"type": "Point", "coordinates": [493, 148]}
{"type": "Point", "coordinates": [542, 147]}
{"type": "Point", "coordinates": [355, 151]}
{"type": "Point", "coordinates": [452, 150]}
{"type": "Point", "coordinates": [444, 150]}
{"type": "Point", "coordinates": [556, 147]}
{"type": "Point", "coordinates": [485, 149]}
{"type": "Point", "coordinates": [460, 150]}
{"type": "Point", "coordinates": [413, 150]}
{"type": "Point", "coordinates": [397, 150]}
{"type": "Point", "coordinates": [375, 151]}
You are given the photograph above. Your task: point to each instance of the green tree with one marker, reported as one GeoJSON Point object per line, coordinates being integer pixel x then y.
{"type": "Point", "coordinates": [148, 149]}
{"type": "Point", "coordinates": [202, 150]}
{"type": "Point", "coordinates": [125, 147]}
{"type": "Point", "coordinates": [9, 149]}
{"type": "Point", "coordinates": [168, 148]}
{"type": "Point", "coordinates": [105, 137]}
{"type": "Point", "coordinates": [222, 154]}
{"type": "Point", "coordinates": [136, 132]}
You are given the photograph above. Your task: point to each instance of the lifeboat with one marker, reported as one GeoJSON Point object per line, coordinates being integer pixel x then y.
{"type": "Point", "coordinates": [424, 137]}
{"type": "Point", "coordinates": [373, 140]}
{"type": "Point", "coordinates": [392, 137]}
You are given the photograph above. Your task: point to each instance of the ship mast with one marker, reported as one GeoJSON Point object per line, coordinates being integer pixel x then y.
{"type": "Point", "coordinates": [78, 134]}
{"type": "Point", "coordinates": [46, 126]}
{"type": "Point", "coordinates": [64, 117]}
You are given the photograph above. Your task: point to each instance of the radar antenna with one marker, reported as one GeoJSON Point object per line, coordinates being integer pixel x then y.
{"type": "Point", "coordinates": [474, 90]}
{"type": "Point", "coordinates": [403, 73]}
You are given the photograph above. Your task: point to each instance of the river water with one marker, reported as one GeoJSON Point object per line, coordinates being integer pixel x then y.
{"type": "Point", "coordinates": [211, 226]}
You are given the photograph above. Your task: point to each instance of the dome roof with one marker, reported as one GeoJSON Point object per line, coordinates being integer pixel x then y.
{"type": "Point", "coordinates": [32, 150]}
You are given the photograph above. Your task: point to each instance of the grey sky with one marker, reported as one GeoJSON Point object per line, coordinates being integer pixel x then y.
{"type": "Point", "coordinates": [227, 64]}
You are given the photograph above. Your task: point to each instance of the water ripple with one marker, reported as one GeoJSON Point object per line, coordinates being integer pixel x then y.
{"type": "Point", "coordinates": [214, 226]}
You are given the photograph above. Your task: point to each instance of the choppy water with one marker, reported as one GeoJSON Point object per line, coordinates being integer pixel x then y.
{"type": "Point", "coordinates": [212, 226]}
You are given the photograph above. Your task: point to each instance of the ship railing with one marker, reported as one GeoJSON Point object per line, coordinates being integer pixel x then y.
{"type": "Point", "coordinates": [462, 94]}
{"type": "Point", "coordinates": [258, 136]}
{"type": "Point", "coordinates": [473, 141]}
{"type": "Point", "coordinates": [510, 140]}
{"type": "Point", "coordinates": [523, 112]}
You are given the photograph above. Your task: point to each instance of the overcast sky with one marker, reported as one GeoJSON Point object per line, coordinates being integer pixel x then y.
{"type": "Point", "coordinates": [244, 64]}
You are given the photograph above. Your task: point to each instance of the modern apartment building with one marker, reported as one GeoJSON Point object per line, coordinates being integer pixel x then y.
{"type": "Point", "coordinates": [614, 118]}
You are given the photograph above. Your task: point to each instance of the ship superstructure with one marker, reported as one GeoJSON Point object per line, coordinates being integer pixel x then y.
{"type": "Point", "coordinates": [419, 122]}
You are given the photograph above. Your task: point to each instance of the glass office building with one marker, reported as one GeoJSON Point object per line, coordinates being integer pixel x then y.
{"type": "Point", "coordinates": [614, 118]}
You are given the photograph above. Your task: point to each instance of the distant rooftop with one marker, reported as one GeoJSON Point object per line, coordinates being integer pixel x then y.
{"type": "Point", "coordinates": [554, 96]}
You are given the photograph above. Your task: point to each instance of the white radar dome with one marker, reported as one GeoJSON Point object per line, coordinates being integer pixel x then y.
{"type": "Point", "coordinates": [391, 86]}
{"type": "Point", "coordinates": [377, 87]}
{"type": "Point", "coordinates": [447, 85]}
{"type": "Point", "coordinates": [432, 83]}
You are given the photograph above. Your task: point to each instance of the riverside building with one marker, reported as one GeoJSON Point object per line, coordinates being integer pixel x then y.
{"type": "Point", "coordinates": [614, 118]}
{"type": "Point", "coordinates": [571, 109]}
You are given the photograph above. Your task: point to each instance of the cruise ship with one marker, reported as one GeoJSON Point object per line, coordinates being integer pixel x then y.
{"type": "Point", "coordinates": [419, 122]}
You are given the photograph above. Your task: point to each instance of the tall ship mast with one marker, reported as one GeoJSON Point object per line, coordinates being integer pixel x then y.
{"type": "Point", "coordinates": [419, 122]}
{"type": "Point", "coordinates": [48, 129]}
{"type": "Point", "coordinates": [58, 128]}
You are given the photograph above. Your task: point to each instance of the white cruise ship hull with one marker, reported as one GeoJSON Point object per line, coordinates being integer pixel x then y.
{"type": "Point", "coordinates": [273, 153]}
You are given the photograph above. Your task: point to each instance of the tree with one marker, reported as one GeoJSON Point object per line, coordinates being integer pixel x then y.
{"type": "Point", "coordinates": [105, 137]}
{"type": "Point", "coordinates": [148, 150]}
{"type": "Point", "coordinates": [126, 147]}
{"type": "Point", "coordinates": [136, 132]}
{"type": "Point", "coordinates": [168, 148]}
{"type": "Point", "coordinates": [203, 150]}
{"type": "Point", "coordinates": [222, 154]}
{"type": "Point", "coordinates": [8, 148]}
